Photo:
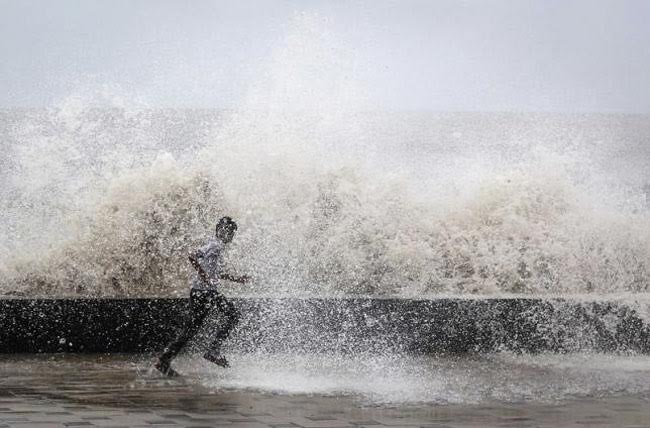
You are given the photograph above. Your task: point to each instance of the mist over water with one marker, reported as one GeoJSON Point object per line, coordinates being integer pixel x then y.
{"type": "Point", "coordinates": [332, 197]}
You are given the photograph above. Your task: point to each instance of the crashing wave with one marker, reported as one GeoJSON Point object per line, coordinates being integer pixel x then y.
{"type": "Point", "coordinates": [312, 221]}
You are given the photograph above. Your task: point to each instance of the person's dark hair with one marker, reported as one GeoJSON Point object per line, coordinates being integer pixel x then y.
{"type": "Point", "coordinates": [226, 224]}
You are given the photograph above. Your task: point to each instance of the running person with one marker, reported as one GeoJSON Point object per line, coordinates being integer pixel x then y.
{"type": "Point", "coordinates": [204, 297]}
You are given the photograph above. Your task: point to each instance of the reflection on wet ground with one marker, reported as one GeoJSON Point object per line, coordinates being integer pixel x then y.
{"type": "Point", "coordinates": [327, 391]}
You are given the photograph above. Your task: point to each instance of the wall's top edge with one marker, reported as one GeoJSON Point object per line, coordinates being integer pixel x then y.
{"type": "Point", "coordinates": [638, 298]}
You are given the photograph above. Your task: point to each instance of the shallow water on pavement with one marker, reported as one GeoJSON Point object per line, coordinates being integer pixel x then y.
{"type": "Point", "coordinates": [400, 380]}
{"type": "Point", "coordinates": [321, 391]}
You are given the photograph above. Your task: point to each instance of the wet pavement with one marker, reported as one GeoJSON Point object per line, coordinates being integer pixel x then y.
{"type": "Point", "coordinates": [68, 390]}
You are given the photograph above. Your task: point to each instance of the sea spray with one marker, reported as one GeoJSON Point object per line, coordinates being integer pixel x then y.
{"type": "Point", "coordinates": [332, 197]}
{"type": "Point", "coordinates": [324, 224]}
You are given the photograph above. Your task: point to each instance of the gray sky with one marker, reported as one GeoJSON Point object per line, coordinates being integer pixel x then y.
{"type": "Point", "coordinates": [545, 55]}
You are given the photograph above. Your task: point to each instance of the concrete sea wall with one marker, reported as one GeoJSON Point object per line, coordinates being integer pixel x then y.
{"type": "Point", "coordinates": [331, 324]}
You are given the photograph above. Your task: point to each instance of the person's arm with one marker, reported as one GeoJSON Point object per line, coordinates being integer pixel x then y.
{"type": "Point", "coordinates": [194, 260]}
{"type": "Point", "coordinates": [240, 279]}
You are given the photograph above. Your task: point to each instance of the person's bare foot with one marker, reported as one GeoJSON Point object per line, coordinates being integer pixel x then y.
{"type": "Point", "coordinates": [217, 359]}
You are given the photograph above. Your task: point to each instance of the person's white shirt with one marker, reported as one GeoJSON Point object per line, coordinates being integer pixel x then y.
{"type": "Point", "coordinates": [210, 257]}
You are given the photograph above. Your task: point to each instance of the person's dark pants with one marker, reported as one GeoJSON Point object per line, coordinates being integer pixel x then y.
{"type": "Point", "coordinates": [202, 303]}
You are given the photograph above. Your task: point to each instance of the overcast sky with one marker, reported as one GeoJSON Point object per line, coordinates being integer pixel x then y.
{"type": "Point", "coordinates": [545, 55]}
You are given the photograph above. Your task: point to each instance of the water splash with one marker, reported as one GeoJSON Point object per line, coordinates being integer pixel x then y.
{"type": "Point", "coordinates": [331, 197]}
{"type": "Point", "coordinates": [400, 380]}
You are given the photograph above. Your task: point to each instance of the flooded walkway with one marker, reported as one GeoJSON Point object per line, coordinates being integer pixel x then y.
{"type": "Point", "coordinates": [122, 391]}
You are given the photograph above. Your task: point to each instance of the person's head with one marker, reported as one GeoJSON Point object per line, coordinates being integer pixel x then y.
{"type": "Point", "coordinates": [225, 230]}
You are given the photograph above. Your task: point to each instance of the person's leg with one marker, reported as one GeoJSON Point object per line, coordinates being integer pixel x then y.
{"type": "Point", "coordinates": [199, 306]}
{"type": "Point", "coordinates": [230, 316]}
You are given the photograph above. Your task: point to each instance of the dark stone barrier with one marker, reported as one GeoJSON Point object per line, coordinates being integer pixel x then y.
{"type": "Point", "coordinates": [325, 325]}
